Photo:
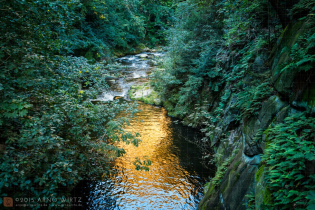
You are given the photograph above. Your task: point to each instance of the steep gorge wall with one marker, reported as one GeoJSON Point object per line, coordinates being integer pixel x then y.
{"type": "Point", "coordinates": [240, 169]}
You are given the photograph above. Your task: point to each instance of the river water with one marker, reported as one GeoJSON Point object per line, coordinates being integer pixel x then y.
{"type": "Point", "coordinates": [176, 177]}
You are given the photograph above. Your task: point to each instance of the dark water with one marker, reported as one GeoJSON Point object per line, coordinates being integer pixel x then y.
{"type": "Point", "coordinates": [175, 179]}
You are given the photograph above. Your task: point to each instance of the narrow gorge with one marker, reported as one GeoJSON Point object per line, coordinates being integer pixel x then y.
{"type": "Point", "coordinates": [157, 104]}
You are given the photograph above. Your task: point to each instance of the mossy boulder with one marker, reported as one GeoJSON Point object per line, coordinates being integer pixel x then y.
{"type": "Point", "coordinates": [144, 93]}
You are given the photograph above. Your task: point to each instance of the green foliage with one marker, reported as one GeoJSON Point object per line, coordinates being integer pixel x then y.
{"type": "Point", "coordinates": [212, 49]}
{"type": "Point", "coordinates": [267, 198]}
{"type": "Point", "coordinates": [216, 180]}
{"type": "Point", "coordinates": [142, 165]}
{"type": "Point", "coordinates": [250, 100]}
{"type": "Point", "coordinates": [115, 22]}
{"type": "Point", "coordinates": [250, 205]}
{"type": "Point", "coordinates": [185, 74]}
{"type": "Point", "coordinates": [290, 152]}
{"type": "Point", "coordinates": [241, 17]}
{"type": "Point", "coordinates": [311, 197]}
{"type": "Point", "coordinates": [157, 16]}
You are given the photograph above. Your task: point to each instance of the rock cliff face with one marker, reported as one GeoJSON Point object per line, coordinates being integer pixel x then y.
{"type": "Point", "coordinates": [242, 172]}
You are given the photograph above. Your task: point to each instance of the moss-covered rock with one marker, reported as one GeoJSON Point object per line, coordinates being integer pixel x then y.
{"type": "Point", "coordinates": [144, 93]}
{"type": "Point", "coordinates": [260, 172]}
{"type": "Point", "coordinates": [234, 185]}
{"type": "Point", "coordinates": [260, 187]}
{"type": "Point", "coordinates": [269, 110]}
{"type": "Point", "coordinates": [250, 128]}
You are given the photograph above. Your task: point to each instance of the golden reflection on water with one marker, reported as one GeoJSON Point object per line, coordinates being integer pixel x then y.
{"type": "Point", "coordinates": [167, 185]}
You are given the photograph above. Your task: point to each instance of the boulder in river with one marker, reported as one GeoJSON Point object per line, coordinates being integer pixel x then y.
{"type": "Point", "coordinates": [144, 93]}
{"type": "Point", "coordinates": [124, 61]}
{"type": "Point", "coordinates": [118, 97]}
{"type": "Point", "coordinates": [143, 56]}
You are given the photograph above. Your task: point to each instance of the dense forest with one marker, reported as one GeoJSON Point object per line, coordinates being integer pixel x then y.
{"type": "Point", "coordinates": [240, 71]}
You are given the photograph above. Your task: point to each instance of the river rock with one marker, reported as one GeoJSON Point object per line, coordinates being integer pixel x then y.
{"type": "Point", "coordinates": [152, 63]}
{"type": "Point", "coordinates": [124, 61]}
{"type": "Point", "coordinates": [143, 55]}
{"type": "Point", "coordinates": [118, 97]}
{"type": "Point", "coordinates": [144, 93]}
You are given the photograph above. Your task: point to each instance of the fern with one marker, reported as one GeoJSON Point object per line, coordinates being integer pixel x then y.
{"type": "Point", "coordinates": [290, 150]}
{"type": "Point", "coordinates": [249, 101]}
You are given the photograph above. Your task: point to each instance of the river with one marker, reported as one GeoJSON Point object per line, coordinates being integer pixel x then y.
{"type": "Point", "coordinates": [176, 177]}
